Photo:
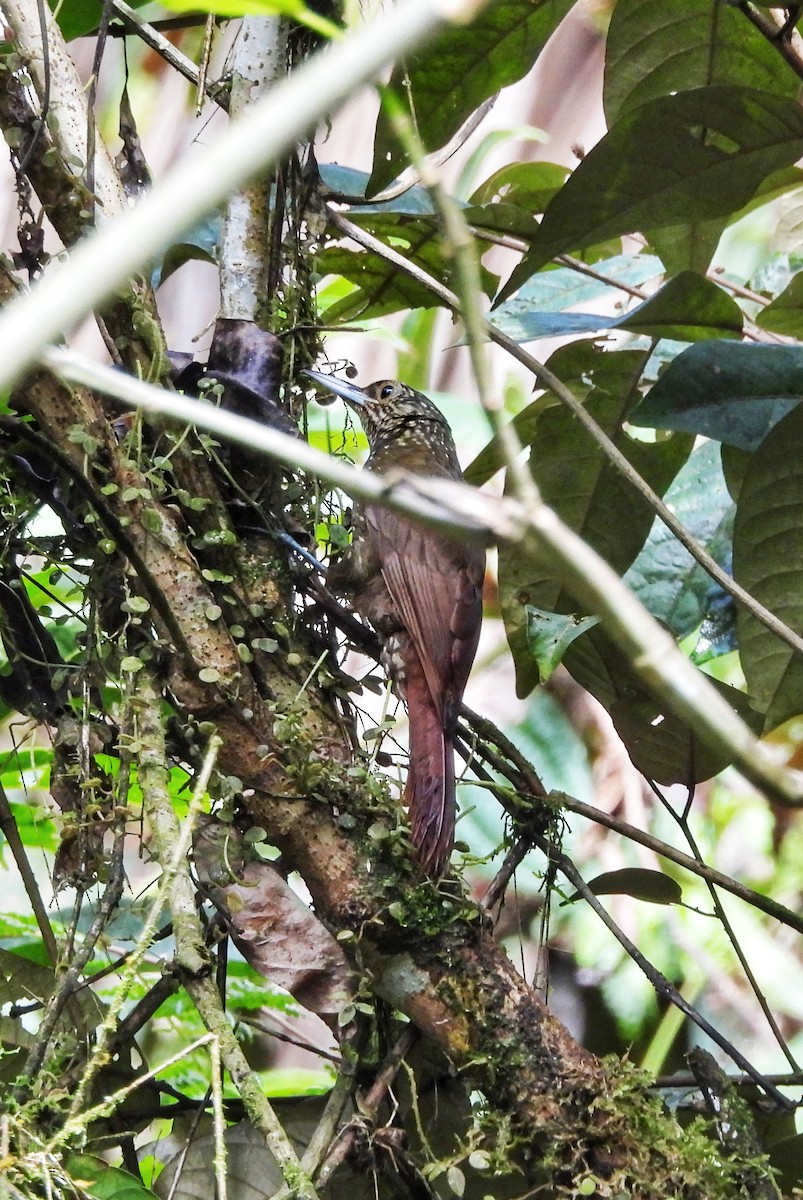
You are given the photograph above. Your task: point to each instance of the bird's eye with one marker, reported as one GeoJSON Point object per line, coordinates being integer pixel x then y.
{"type": "Point", "coordinates": [387, 392]}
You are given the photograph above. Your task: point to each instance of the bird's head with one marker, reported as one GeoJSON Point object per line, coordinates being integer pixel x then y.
{"type": "Point", "coordinates": [389, 410]}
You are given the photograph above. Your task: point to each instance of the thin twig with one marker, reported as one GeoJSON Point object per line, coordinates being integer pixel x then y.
{"type": "Point", "coordinates": [659, 981]}
{"type": "Point", "coordinates": [730, 932]}
{"type": "Point", "coordinates": [166, 50]}
{"type": "Point", "coordinates": [525, 781]}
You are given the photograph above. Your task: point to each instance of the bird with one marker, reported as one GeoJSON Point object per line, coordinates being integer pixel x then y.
{"type": "Point", "coordinates": [422, 593]}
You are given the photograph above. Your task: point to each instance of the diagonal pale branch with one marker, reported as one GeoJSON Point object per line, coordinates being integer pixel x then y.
{"type": "Point", "coordinates": [463, 510]}
{"type": "Point", "coordinates": [548, 380]}
{"type": "Point", "coordinates": [248, 147]}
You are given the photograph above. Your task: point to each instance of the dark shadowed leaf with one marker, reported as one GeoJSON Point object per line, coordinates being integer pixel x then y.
{"type": "Point", "coordinates": [638, 882]}
{"type": "Point", "coordinates": [725, 390]}
{"type": "Point", "coordinates": [463, 67]}
{"type": "Point", "coordinates": [768, 561]}
{"type": "Point", "coordinates": [692, 156]}
{"type": "Point", "coordinates": [661, 746]}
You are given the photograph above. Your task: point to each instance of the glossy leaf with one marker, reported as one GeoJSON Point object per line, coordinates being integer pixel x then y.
{"type": "Point", "coordinates": [726, 390]}
{"type": "Point", "coordinates": [462, 68]}
{"type": "Point", "coordinates": [656, 49]}
{"type": "Point", "coordinates": [692, 156]}
{"type": "Point", "coordinates": [688, 308]}
{"type": "Point", "coordinates": [768, 561]}
{"type": "Point", "coordinates": [665, 577]}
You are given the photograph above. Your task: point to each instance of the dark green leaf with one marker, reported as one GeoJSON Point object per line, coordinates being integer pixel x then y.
{"type": "Point", "coordinates": [692, 156]}
{"type": "Point", "coordinates": [466, 65]}
{"type": "Point", "coordinates": [661, 746]}
{"type": "Point", "coordinates": [725, 390]}
{"type": "Point", "coordinates": [638, 882]}
{"type": "Point", "coordinates": [509, 201]}
{"type": "Point", "coordinates": [577, 480]}
{"type": "Point", "coordinates": [656, 49]}
{"type": "Point", "coordinates": [76, 18]}
{"type": "Point", "coordinates": [786, 1158]}
{"type": "Point", "coordinates": [98, 1179]}
{"type": "Point", "coordinates": [768, 561]}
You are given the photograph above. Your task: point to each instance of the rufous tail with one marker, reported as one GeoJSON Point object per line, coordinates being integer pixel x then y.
{"type": "Point", "coordinates": [430, 790]}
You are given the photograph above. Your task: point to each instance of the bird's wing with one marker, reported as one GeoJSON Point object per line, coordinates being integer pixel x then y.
{"type": "Point", "coordinates": [436, 585]}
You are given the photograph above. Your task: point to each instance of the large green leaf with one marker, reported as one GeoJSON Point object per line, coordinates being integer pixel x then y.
{"type": "Point", "coordinates": [577, 480]}
{"type": "Point", "coordinates": [689, 308]}
{"type": "Point", "coordinates": [693, 156]}
{"type": "Point", "coordinates": [729, 391]}
{"type": "Point", "coordinates": [665, 577]}
{"type": "Point", "coordinates": [656, 49]}
{"type": "Point", "coordinates": [768, 561]}
{"type": "Point", "coordinates": [466, 65]}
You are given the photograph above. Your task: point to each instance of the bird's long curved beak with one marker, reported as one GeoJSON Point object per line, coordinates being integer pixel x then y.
{"type": "Point", "coordinates": [338, 387]}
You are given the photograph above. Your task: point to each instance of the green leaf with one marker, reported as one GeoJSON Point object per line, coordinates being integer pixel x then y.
{"type": "Point", "coordinates": [510, 199]}
{"type": "Point", "coordinates": [692, 156]}
{"type": "Point", "coordinates": [76, 18]}
{"type": "Point", "coordinates": [638, 882]}
{"type": "Point", "coordinates": [689, 308]}
{"type": "Point", "coordinates": [550, 634]}
{"type": "Point", "coordinates": [381, 287]}
{"type": "Point", "coordinates": [785, 313]}
{"type": "Point", "coordinates": [656, 49]}
{"type": "Point", "coordinates": [768, 561]}
{"type": "Point", "coordinates": [665, 577]}
{"type": "Point", "coordinates": [260, 8]}
{"type": "Point", "coordinates": [576, 479]}
{"type": "Point", "coordinates": [466, 65]}
{"type": "Point", "coordinates": [98, 1179]}
{"type": "Point", "coordinates": [725, 390]}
